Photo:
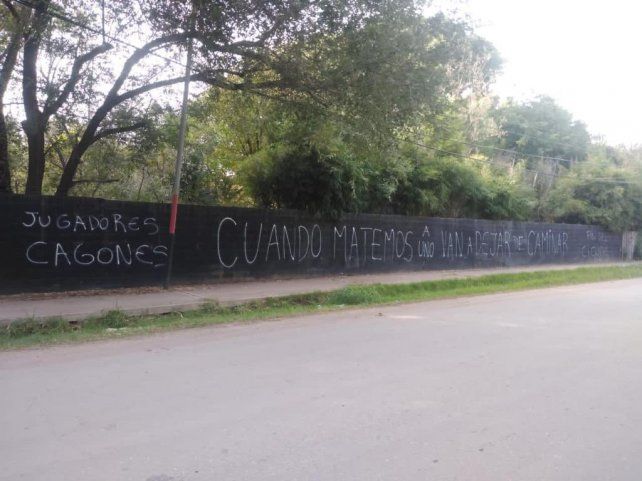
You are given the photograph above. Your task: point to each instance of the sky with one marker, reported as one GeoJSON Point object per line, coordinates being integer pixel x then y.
{"type": "Point", "coordinates": [587, 55]}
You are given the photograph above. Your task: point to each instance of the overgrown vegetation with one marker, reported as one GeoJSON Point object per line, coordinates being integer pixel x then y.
{"type": "Point", "coordinates": [116, 324]}
{"type": "Point", "coordinates": [326, 106]}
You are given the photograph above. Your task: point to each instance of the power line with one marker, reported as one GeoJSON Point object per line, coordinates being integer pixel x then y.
{"type": "Point", "coordinates": [556, 142]}
{"type": "Point", "coordinates": [463, 156]}
{"type": "Point", "coordinates": [510, 151]}
{"type": "Point", "coordinates": [467, 157]}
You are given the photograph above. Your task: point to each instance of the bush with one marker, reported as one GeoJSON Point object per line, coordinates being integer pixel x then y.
{"type": "Point", "coordinates": [453, 187]}
{"type": "Point", "coordinates": [597, 193]}
{"type": "Point", "coordinates": [305, 177]}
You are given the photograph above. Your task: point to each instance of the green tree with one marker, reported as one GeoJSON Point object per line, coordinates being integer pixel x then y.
{"type": "Point", "coordinates": [599, 192]}
{"type": "Point", "coordinates": [544, 138]}
{"type": "Point", "coordinates": [401, 71]}
{"type": "Point", "coordinates": [541, 128]}
{"type": "Point", "coordinates": [445, 186]}
{"type": "Point", "coordinates": [254, 46]}
{"type": "Point", "coordinates": [319, 180]}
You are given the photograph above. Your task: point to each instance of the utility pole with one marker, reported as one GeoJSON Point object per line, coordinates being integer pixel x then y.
{"type": "Point", "coordinates": [179, 165]}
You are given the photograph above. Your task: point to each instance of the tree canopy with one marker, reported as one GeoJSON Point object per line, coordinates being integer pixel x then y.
{"type": "Point", "coordinates": [328, 106]}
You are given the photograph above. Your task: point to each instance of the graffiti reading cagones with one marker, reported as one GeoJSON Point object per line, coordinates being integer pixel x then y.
{"type": "Point", "coordinates": [59, 253]}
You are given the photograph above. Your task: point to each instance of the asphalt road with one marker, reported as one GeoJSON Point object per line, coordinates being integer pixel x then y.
{"type": "Point", "coordinates": [539, 385]}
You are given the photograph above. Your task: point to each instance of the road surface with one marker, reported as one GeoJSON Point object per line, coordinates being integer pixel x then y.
{"type": "Point", "coordinates": [538, 385]}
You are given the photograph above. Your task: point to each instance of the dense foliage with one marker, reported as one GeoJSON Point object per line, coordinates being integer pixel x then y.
{"type": "Point", "coordinates": [325, 106]}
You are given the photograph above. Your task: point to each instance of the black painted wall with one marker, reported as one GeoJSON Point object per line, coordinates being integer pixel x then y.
{"type": "Point", "coordinates": [50, 244]}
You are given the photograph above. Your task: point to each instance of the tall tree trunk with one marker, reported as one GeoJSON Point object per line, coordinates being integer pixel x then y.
{"type": "Point", "coordinates": [8, 65]}
{"type": "Point", "coordinates": [67, 178]}
{"type": "Point", "coordinates": [34, 124]}
{"type": "Point", "coordinates": [5, 170]}
{"type": "Point", "coordinates": [73, 162]}
{"type": "Point", "coordinates": [36, 166]}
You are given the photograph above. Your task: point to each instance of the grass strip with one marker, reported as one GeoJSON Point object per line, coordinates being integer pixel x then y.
{"type": "Point", "coordinates": [115, 324]}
